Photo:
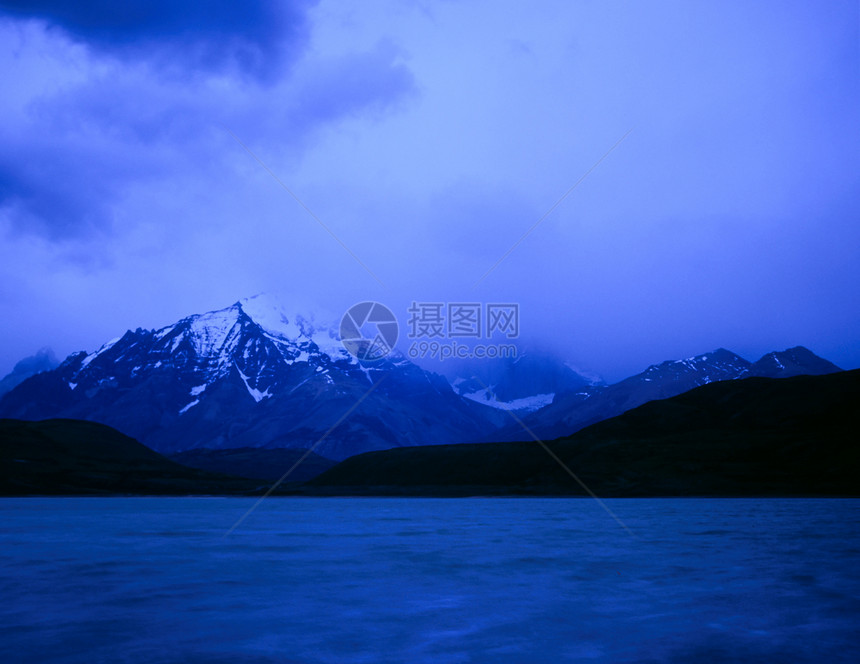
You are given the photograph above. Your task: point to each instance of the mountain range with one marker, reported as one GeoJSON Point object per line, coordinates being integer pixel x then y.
{"type": "Point", "coordinates": [250, 375]}
{"type": "Point", "coordinates": [576, 409]}
{"type": "Point", "coordinates": [748, 437]}
{"type": "Point", "coordinates": [255, 375]}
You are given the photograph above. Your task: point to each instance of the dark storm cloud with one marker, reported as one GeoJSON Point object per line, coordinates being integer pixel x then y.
{"type": "Point", "coordinates": [254, 36]}
{"type": "Point", "coordinates": [54, 193]}
{"type": "Point", "coordinates": [66, 168]}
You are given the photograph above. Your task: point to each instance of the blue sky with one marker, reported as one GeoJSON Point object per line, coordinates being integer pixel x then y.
{"type": "Point", "coordinates": [429, 137]}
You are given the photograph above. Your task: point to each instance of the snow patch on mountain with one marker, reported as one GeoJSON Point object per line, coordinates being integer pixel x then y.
{"type": "Point", "coordinates": [253, 391]}
{"type": "Point", "coordinates": [89, 358]}
{"type": "Point", "coordinates": [525, 404]}
{"type": "Point", "coordinates": [272, 317]}
{"type": "Point", "coordinates": [283, 325]}
{"type": "Point", "coordinates": [191, 405]}
{"type": "Point", "coordinates": [163, 332]}
{"type": "Point", "coordinates": [213, 333]}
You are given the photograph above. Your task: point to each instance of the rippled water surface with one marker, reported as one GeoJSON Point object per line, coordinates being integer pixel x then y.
{"type": "Point", "coordinates": [428, 580]}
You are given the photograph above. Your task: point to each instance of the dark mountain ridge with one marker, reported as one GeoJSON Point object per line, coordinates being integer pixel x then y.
{"type": "Point", "coordinates": [751, 437]}
{"type": "Point", "coordinates": [573, 411]}
{"type": "Point", "coordinates": [73, 457]}
{"type": "Point", "coordinates": [756, 436]}
{"type": "Point", "coordinates": [256, 463]}
{"type": "Point", "coordinates": [797, 361]}
{"type": "Point", "coordinates": [253, 375]}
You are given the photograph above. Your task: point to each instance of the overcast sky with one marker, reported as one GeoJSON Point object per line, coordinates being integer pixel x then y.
{"type": "Point", "coordinates": [429, 137]}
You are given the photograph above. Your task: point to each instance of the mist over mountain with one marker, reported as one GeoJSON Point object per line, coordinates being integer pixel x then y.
{"type": "Point", "coordinates": [524, 383]}
{"type": "Point", "coordinates": [43, 360]}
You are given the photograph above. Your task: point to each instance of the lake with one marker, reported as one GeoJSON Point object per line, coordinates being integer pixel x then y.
{"type": "Point", "coordinates": [311, 580]}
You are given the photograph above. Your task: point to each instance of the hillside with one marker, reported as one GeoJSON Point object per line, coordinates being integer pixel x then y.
{"type": "Point", "coordinates": [572, 411]}
{"type": "Point", "coordinates": [255, 463]}
{"type": "Point", "coordinates": [756, 436]}
{"type": "Point", "coordinates": [67, 457]}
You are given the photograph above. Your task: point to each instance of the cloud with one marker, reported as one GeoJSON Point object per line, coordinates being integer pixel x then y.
{"type": "Point", "coordinates": [726, 218]}
{"type": "Point", "coordinates": [73, 152]}
{"type": "Point", "coordinates": [58, 191]}
{"type": "Point", "coordinates": [346, 86]}
{"type": "Point", "coordinates": [253, 36]}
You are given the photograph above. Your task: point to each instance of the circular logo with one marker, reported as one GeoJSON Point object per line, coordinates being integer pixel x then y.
{"type": "Point", "coordinates": [368, 330]}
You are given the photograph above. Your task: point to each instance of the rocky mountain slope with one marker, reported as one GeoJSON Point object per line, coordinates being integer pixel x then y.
{"type": "Point", "coordinates": [255, 375]}
{"type": "Point", "coordinates": [750, 437]}
{"type": "Point", "coordinates": [250, 375]}
{"type": "Point", "coordinates": [578, 409]}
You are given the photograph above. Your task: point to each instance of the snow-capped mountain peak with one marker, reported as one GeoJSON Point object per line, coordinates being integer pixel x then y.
{"type": "Point", "coordinates": [281, 323]}
{"type": "Point", "coordinates": [792, 362]}
{"type": "Point", "coordinates": [215, 332]}
{"type": "Point", "coordinates": [720, 364]}
{"type": "Point", "coordinates": [251, 374]}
